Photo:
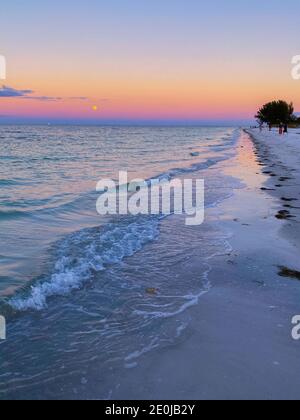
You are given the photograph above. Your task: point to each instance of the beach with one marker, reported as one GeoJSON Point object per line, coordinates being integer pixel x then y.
{"type": "Point", "coordinates": [150, 203]}
{"type": "Point", "coordinates": [280, 157]}
{"type": "Point", "coordinates": [219, 323]}
{"type": "Point", "coordinates": [239, 344]}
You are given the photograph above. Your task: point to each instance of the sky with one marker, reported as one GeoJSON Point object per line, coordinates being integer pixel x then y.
{"type": "Point", "coordinates": [146, 61]}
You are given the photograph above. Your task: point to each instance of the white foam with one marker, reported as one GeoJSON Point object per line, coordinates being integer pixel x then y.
{"type": "Point", "coordinates": [91, 251]}
{"type": "Point", "coordinates": [94, 252]}
{"type": "Point", "coordinates": [191, 300]}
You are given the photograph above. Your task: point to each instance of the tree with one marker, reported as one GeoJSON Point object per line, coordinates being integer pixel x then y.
{"type": "Point", "coordinates": [276, 112]}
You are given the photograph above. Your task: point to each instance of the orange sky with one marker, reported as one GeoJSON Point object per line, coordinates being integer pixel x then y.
{"type": "Point", "coordinates": [204, 65]}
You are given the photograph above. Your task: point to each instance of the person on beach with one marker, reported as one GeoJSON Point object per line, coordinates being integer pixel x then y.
{"type": "Point", "coordinates": [280, 129]}
{"type": "Point", "coordinates": [285, 129]}
{"type": "Point", "coordinates": [270, 127]}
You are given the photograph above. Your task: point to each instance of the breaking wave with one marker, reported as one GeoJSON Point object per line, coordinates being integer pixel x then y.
{"type": "Point", "coordinates": [85, 253]}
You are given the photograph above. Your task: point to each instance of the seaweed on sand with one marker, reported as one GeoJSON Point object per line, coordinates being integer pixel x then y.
{"type": "Point", "coordinates": [287, 272]}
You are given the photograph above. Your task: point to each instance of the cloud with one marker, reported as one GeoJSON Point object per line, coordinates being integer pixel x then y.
{"type": "Point", "coordinates": [10, 92]}
{"type": "Point", "coordinates": [44, 98]}
{"type": "Point", "coordinates": [78, 98]}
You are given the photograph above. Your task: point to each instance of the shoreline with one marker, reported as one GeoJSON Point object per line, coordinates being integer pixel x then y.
{"type": "Point", "coordinates": [235, 342]}
{"type": "Point", "coordinates": [239, 344]}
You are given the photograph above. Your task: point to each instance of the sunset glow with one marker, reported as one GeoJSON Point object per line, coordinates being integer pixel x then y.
{"type": "Point", "coordinates": [149, 62]}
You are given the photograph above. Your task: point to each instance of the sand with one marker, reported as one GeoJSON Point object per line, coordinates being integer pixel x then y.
{"type": "Point", "coordinates": [239, 343]}
{"type": "Point", "coordinates": [280, 157]}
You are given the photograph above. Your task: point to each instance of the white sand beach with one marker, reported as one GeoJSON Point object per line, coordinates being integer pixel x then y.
{"type": "Point", "coordinates": [280, 157]}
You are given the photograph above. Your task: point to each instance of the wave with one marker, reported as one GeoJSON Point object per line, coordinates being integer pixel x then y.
{"type": "Point", "coordinates": [11, 214]}
{"type": "Point", "coordinates": [8, 182]}
{"type": "Point", "coordinates": [53, 204]}
{"type": "Point", "coordinates": [86, 253]}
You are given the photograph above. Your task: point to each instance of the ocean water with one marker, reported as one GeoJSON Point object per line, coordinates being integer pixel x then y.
{"type": "Point", "coordinates": [73, 284]}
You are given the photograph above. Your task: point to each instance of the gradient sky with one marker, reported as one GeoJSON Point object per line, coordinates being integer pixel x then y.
{"type": "Point", "coordinates": [140, 60]}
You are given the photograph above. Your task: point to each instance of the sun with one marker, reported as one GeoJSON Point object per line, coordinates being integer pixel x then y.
{"type": "Point", "coordinates": [95, 108]}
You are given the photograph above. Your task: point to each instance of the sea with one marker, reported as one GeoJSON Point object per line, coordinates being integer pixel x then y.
{"type": "Point", "coordinates": [88, 297]}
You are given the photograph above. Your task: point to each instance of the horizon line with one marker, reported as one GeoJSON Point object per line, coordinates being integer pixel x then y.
{"type": "Point", "coordinates": [157, 122]}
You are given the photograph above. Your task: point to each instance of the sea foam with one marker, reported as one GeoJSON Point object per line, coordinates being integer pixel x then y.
{"type": "Point", "coordinates": [85, 253]}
